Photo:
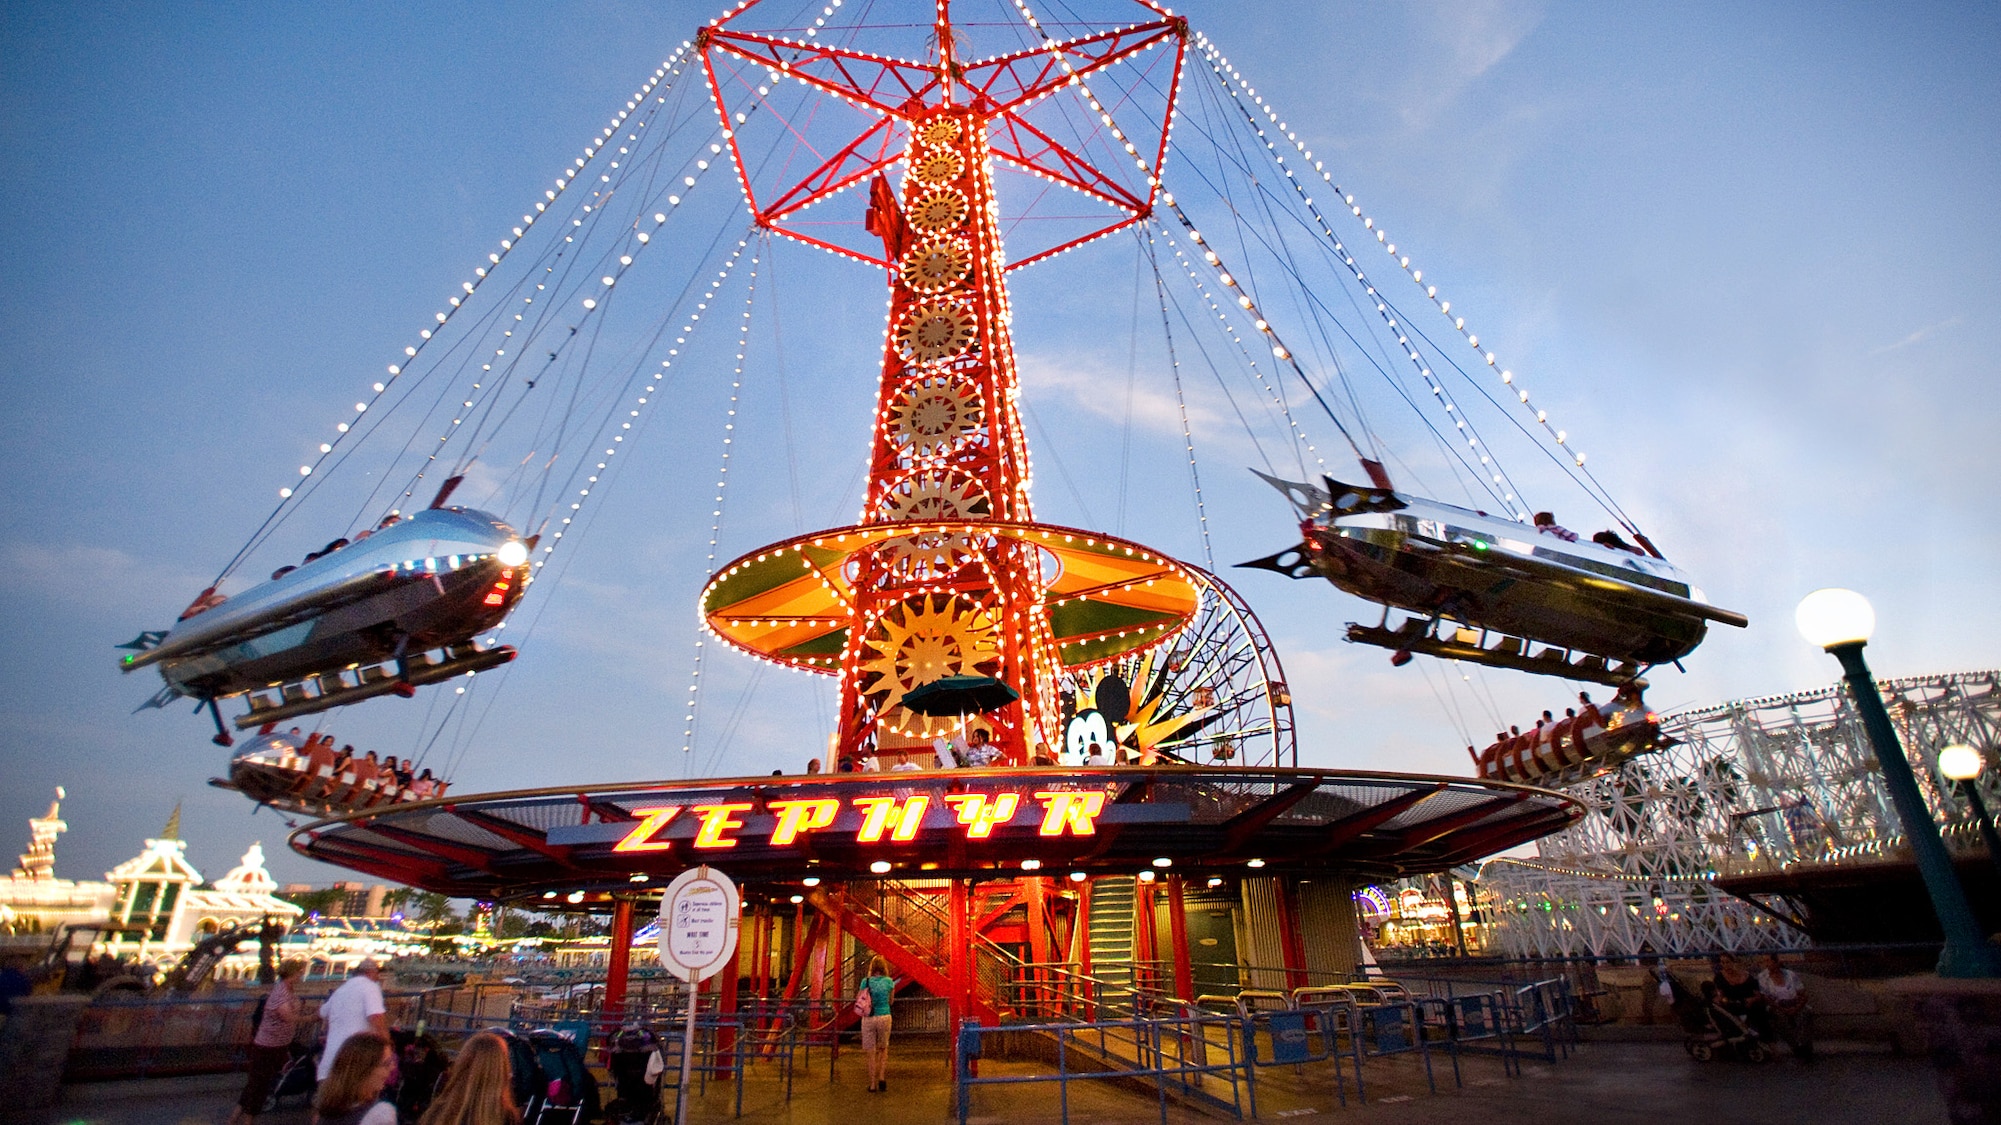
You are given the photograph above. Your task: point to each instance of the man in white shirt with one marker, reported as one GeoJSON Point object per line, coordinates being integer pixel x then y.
{"type": "Point", "coordinates": [353, 1008]}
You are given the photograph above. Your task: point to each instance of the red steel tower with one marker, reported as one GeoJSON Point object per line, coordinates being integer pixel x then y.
{"type": "Point", "coordinates": [946, 572]}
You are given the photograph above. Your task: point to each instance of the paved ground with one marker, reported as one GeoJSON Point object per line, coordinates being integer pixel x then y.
{"type": "Point", "coordinates": [1604, 1083]}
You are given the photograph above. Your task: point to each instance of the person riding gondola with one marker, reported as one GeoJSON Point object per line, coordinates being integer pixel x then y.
{"type": "Point", "coordinates": [1545, 522]}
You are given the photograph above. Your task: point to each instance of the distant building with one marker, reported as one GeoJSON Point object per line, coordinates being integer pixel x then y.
{"type": "Point", "coordinates": [156, 897]}
{"type": "Point", "coordinates": [33, 901]}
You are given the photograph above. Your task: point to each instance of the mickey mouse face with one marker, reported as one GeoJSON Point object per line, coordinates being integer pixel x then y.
{"type": "Point", "coordinates": [1078, 736]}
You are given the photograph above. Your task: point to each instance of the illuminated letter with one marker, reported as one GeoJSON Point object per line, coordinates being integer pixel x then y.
{"type": "Point", "coordinates": [716, 819]}
{"type": "Point", "coordinates": [795, 817]}
{"type": "Point", "coordinates": [641, 838]}
{"type": "Point", "coordinates": [978, 816]}
{"type": "Point", "coordinates": [881, 812]}
{"type": "Point", "coordinates": [1069, 809]}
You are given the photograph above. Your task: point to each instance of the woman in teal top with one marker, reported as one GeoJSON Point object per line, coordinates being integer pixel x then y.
{"type": "Point", "coordinates": [875, 1026]}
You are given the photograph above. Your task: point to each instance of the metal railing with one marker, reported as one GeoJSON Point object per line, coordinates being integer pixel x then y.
{"type": "Point", "coordinates": [1174, 1052]}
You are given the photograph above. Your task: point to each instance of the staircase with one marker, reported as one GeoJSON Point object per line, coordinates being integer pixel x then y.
{"type": "Point", "coordinates": [1110, 935]}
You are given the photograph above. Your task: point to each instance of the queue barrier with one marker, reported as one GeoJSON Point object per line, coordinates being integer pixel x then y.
{"type": "Point", "coordinates": [1171, 1050]}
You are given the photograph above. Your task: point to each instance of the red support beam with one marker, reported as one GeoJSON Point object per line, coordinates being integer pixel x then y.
{"type": "Point", "coordinates": [1177, 926]}
{"type": "Point", "coordinates": [1036, 890]}
{"type": "Point", "coordinates": [961, 981]}
{"type": "Point", "coordinates": [619, 964]}
{"type": "Point", "coordinates": [1146, 950]}
{"type": "Point", "coordinates": [803, 939]}
{"type": "Point", "coordinates": [1351, 827]}
{"type": "Point", "coordinates": [1290, 946]}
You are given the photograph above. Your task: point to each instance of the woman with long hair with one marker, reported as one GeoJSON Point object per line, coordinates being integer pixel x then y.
{"type": "Point", "coordinates": [479, 1088]}
{"type": "Point", "coordinates": [350, 1094]}
{"type": "Point", "coordinates": [878, 987]}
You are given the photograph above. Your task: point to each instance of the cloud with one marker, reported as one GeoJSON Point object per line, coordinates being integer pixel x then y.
{"type": "Point", "coordinates": [1474, 36]}
{"type": "Point", "coordinates": [1102, 391]}
{"type": "Point", "coordinates": [1920, 334]}
{"type": "Point", "coordinates": [75, 574]}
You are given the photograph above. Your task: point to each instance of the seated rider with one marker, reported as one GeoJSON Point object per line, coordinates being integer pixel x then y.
{"type": "Point", "coordinates": [206, 600]}
{"type": "Point", "coordinates": [1611, 539]}
{"type": "Point", "coordinates": [1545, 522]}
{"type": "Point", "coordinates": [981, 752]}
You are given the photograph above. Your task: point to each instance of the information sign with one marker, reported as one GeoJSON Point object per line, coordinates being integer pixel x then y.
{"type": "Point", "coordinates": [698, 923]}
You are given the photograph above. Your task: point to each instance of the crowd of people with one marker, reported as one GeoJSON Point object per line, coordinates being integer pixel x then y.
{"type": "Point", "coordinates": [360, 1062]}
{"type": "Point", "coordinates": [349, 779]}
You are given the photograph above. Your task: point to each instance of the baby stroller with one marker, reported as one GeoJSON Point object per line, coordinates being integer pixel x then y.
{"type": "Point", "coordinates": [1710, 1029]}
{"type": "Point", "coordinates": [298, 1078]}
{"type": "Point", "coordinates": [638, 1101]}
{"type": "Point", "coordinates": [552, 1081]}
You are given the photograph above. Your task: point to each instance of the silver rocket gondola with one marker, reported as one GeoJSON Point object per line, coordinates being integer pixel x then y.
{"type": "Point", "coordinates": [1488, 590]}
{"type": "Point", "coordinates": [359, 621]}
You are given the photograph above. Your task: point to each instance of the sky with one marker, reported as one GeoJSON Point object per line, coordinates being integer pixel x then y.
{"type": "Point", "coordinates": [1747, 256]}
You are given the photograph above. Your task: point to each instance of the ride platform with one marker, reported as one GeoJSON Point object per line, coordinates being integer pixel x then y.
{"type": "Point", "coordinates": [594, 841]}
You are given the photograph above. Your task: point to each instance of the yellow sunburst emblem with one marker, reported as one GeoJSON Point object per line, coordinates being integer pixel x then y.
{"type": "Point", "coordinates": [939, 130]}
{"type": "Point", "coordinates": [932, 496]}
{"type": "Point", "coordinates": [935, 331]}
{"type": "Point", "coordinates": [917, 641]}
{"type": "Point", "coordinates": [939, 209]}
{"type": "Point", "coordinates": [936, 165]}
{"type": "Point", "coordinates": [936, 265]}
{"type": "Point", "coordinates": [932, 416]}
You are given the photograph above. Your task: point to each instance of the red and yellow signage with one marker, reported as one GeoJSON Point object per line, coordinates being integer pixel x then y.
{"type": "Point", "coordinates": [1064, 812]}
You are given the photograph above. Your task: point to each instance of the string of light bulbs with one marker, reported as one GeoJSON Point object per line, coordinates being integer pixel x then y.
{"type": "Point", "coordinates": [1241, 91]}
{"type": "Point", "coordinates": [653, 87]}
{"type": "Point", "coordinates": [1250, 360]}
{"type": "Point", "coordinates": [1489, 468]}
{"type": "Point", "coordinates": [1181, 404]}
{"type": "Point", "coordinates": [722, 475]}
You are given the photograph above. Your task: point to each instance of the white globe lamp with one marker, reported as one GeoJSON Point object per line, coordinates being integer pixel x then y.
{"type": "Point", "coordinates": [1834, 617]}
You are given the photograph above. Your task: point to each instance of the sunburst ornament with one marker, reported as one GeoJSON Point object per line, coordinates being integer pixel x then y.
{"type": "Point", "coordinates": [932, 496]}
{"type": "Point", "coordinates": [932, 416]}
{"type": "Point", "coordinates": [936, 330]}
{"type": "Point", "coordinates": [936, 264]}
{"type": "Point", "coordinates": [939, 130]}
{"type": "Point", "coordinates": [936, 165]}
{"type": "Point", "coordinates": [919, 640]}
{"type": "Point", "coordinates": [937, 210]}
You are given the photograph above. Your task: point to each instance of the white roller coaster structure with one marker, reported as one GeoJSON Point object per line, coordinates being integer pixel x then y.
{"type": "Point", "coordinates": [1749, 786]}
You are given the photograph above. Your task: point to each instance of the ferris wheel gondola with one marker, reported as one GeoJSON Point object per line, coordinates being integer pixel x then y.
{"type": "Point", "coordinates": [1492, 591]}
{"type": "Point", "coordinates": [397, 609]}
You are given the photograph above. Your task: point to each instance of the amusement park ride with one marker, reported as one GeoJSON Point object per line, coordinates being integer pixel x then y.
{"type": "Point", "coordinates": [947, 572]}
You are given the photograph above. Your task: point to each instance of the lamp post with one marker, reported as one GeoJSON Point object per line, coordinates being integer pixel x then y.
{"type": "Point", "coordinates": [1962, 763]}
{"type": "Point", "coordinates": [1841, 621]}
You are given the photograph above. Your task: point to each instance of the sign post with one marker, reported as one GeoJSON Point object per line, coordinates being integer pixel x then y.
{"type": "Point", "coordinates": [699, 917]}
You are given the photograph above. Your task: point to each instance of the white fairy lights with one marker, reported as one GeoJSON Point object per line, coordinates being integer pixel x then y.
{"type": "Point", "coordinates": [1250, 360]}
{"type": "Point", "coordinates": [722, 475]}
{"type": "Point", "coordinates": [1240, 91]}
{"type": "Point", "coordinates": [654, 84]}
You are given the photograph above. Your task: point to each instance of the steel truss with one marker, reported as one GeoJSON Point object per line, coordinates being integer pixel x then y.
{"type": "Point", "coordinates": [1755, 785]}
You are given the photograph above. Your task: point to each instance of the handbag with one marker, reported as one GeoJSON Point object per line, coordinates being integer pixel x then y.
{"type": "Point", "coordinates": [864, 1002]}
